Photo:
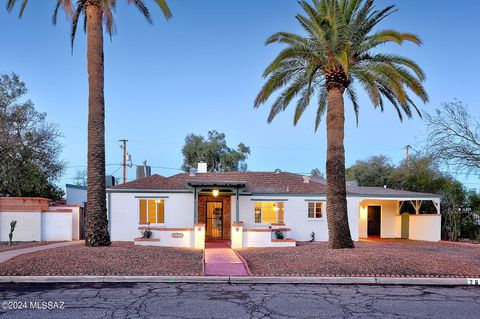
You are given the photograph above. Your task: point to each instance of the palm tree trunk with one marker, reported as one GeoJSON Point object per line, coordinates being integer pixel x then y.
{"type": "Point", "coordinates": [97, 223]}
{"type": "Point", "coordinates": [337, 217]}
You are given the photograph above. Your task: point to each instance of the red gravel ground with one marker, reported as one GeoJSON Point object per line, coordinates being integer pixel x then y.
{"type": "Point", "coordinates": [369, 258]}
{"type": "Point", "coordinates": [4, 246]}
{"type": "Point", "coordinates": [122, 258]}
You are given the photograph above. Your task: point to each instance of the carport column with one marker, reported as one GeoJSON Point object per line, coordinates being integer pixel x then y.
{"type": "Point", "coordinates": [237, 235]}
{"type": "Point", "coordinates": [237, 211]}
{"type": "Point", "coordinates": [195, 206]}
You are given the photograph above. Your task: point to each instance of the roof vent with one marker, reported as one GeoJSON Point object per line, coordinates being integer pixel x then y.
{"type": "Point", "coordinates": [192, 171]}
{"type": "Point", "coordinates": [306, 179]}
{"type": "Point", "coordinates": [278, 171]}
{"type": "Point", "coordinates": [202, 167]}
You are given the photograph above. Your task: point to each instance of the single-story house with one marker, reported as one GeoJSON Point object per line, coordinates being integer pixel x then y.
{"type": "Point", "coordinates": [259, 209]}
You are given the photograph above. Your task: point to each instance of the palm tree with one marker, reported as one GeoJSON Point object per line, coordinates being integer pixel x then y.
{"type": "Point", "coordinates": [340, 48]}
{"type": "Point", "coordinates": [95, 14]}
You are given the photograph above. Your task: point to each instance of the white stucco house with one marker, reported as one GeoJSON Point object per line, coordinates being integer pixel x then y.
{"type": "Point", "coordinates": [259, 209]}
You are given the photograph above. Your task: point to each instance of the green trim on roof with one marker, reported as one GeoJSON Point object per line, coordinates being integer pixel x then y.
{"type": "Point", "coordinates": [151, 197]}
{"type": "Point", "coordinates": [286, 194]}
{"type": "Point", "coordinates": [394, 196]}
{"type": "Point", "coordinates": [170, 191]}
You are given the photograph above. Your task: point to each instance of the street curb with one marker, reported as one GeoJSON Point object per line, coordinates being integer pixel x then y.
{"type": "Point", "coordinates": [239, 280]}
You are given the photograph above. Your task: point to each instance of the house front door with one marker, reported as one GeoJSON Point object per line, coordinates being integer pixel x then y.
{"type": "Point", "coordinates": [374, 215]}
{"type": "Point", "coordinates": [214, 220]}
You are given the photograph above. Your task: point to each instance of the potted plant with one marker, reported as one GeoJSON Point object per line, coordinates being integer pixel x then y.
{"type": "Point", "coordinates": [279, 234]}
{"type": "Point", "coordinates": [147, 233]}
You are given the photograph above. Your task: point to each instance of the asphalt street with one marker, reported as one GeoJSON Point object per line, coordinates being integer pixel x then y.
{"type": "Point", "coordinates": [157, 300]}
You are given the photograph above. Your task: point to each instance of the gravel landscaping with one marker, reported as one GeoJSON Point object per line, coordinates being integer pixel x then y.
{"type": "Point", "coordinates": [4, 246]}
{"type": "Point", "coordinates": [122, 258]}
{"type": "Point", "coordinates": [369, 258]}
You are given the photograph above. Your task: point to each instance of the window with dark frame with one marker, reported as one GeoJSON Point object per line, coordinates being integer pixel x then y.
{"type": "Point", "coordinates": [315, 210]}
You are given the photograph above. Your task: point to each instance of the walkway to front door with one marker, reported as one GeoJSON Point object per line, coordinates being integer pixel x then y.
{"type": "Point", "coordinates": [221, 260]}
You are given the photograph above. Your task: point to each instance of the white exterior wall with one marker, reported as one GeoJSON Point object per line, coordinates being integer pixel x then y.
{"type": "Point", "coordinates": [76, 196]}
{"type": "Point", "coordinates": [179, 207]}
{"type": "Point", "coordinates": [28, 226]}
{"type": "Point", "coordinates": [295, 217]}
{"type": "Point", "coordinates": [124, 216]}
{"type": "Point", "coordinates": [388, 217]}
{"type": "Point", "coordinates": [425, 227]}
{"type": "Point", "coordinates": [56, 226]}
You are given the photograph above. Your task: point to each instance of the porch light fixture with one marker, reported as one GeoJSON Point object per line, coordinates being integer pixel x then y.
{"type": "Point", "coordinates": [215, 192]}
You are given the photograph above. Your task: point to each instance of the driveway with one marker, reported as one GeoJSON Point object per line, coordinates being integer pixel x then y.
{"type": "Point", "coordinates": [243, 301]}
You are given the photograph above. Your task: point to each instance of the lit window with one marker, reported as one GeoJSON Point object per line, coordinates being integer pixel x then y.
{"type": "Point", "coordinates": [269, 212]}
{"type": "Point", "coordinates": [152, 211]}
{"type": "Point", "coordinates": [315, 210]}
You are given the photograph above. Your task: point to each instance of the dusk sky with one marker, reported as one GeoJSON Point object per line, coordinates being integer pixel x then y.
{"type": "Point", "coordinates": [202, 70]}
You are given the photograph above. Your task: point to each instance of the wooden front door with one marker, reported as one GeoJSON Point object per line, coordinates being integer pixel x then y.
{"type": "Point", "coordinates": [214, 220]}
{"type": "Point", "coordinates": [374, 220]}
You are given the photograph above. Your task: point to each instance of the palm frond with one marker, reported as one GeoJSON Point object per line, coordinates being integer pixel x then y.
{"type": "Point", "coordinates": [340, 38]}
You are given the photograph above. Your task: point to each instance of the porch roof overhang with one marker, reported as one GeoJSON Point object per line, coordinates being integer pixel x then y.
{"type": "Point", "coordinates": [217, 184]}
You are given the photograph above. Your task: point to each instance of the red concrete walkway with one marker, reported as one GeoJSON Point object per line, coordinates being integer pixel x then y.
{"type": "Point", "coordinates": [221, 260]}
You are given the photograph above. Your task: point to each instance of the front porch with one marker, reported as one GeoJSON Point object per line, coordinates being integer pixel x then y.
{"type": "Point", "coordinates": [415, 218]}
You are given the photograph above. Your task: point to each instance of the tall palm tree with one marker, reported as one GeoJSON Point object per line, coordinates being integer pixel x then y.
{"type": "Point", "coordinates": [96, 14]}
{"type": "Point", "coordinates": [339, 49]}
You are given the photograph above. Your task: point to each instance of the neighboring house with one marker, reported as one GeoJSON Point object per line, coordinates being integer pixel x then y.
{"type": "Point", "coordinates": [37, 220]}
{"type": "Point", "coordinates": [254, 209]}
{"type": "Point", "coordinates": [76, 195]}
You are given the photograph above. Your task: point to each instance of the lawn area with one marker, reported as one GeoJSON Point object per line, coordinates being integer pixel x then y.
{"type": "Point", "coordinates": [4, 246]}
{"type": "Point", "coordinates": [382, 257]}
{"type": "Point", "coordinates": [122, 258]}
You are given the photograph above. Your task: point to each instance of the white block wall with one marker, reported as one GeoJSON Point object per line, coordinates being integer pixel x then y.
{"type": "Point", "coordinates": [425, 227]}
{"type": "Point", "coordinates": [56, 226]}
{"type": "Point", "coordinates": [29, 226]}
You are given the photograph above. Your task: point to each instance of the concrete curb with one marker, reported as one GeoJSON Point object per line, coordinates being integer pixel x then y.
{"type": "Point", "coordinates": [239, 280]}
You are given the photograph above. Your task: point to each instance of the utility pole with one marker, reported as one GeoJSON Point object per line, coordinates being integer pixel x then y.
{"type": "Point", "coordinates": [407, 147]}
{"type": "Point", "coordinates": [124, 147]}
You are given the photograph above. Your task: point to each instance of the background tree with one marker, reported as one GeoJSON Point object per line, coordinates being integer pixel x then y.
{"type": "Point", "coordinates": [29, 146]}
{"type": "Point", "coordinates": [375, 171]}
{"type": "Point", "coordinates": [214, 151]}
{"type": "Point", "coordinates": [454, 136]}
{"type": "Point", "coordinates": [81, 177]}
{"type": "Point", "coordinates": [340, 47]}
{"type": "Point", "coordinates": [96, 14]}
{"type": "Point", "coordinates": [316, 173]}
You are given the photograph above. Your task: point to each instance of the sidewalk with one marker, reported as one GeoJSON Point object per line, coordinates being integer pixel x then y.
{"type": "Point", "coordinates": [240, 280]}
{"type": "Point", "coordinates": [221, 260]}
{"type": "Point", "coordinates": [6, 255]}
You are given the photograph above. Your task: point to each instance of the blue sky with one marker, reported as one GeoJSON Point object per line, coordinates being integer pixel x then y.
{"type": "Point", "coordinates": [202, 70]}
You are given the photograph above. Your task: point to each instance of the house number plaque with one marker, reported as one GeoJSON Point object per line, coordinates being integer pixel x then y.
{"type": "Point", "coordinates": [177, 235]}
